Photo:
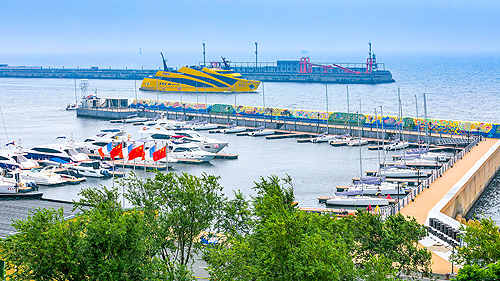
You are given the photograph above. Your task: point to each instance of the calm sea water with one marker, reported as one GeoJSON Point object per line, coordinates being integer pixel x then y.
{"type": "Point", "coordinates": [464, 88]}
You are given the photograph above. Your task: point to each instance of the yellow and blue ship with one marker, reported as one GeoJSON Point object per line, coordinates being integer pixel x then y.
{"type": "Point", "coordinates": [190, 79]}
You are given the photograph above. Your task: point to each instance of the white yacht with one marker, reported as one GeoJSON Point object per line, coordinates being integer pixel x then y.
{"type": "Point", "coordinates": [170, 163]}
{"type": "Point", "coordinates": [92, 144]}
{"type": "Point", "coordinates": [429, 156]}
{"type": "Point", "coordinates": [45, 176]}
{"type": "Point", "coordinates": [14, 157]}
{"type": "Point", "coordinates": [92, 169]}
{"type": "Point", "coordinates": [187, 136]}
{"type": "Point", "coordinates": [356, 201]}
{"type": "Point", "coordinates": [383, 188]}
{"type": "Point", "coordinates": [61, 151]}
{"type": "Point", "coordinates": [395, 172]}
{"type": "Point", "coordinates": [190, 151]}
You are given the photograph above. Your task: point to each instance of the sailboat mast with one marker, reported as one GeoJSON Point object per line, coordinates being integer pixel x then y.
{"type": "Point", "coordinates": [378, 142]}
{"type": "Point", "coordinates": [327, 114]}
{"type": "Point", "coordinates": [76, 98]}
{"type": "Point", "coordinates": [418, 123]}
{"type": "Point", "coordinates": [401, 133]}
{"type": "Point", "coordinates": [426, 122]}
{"type": "Point", "coordinates": [402, 125]}
{"type": "Point", "coordinates": [348, 116]}
{"type": "Point", "coordinates": [359, 144]}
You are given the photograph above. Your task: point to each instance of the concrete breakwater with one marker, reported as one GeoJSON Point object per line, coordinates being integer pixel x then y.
{"type": "Point", "coordinates": [293, 119]}
{"type": "Point", "coordinates": [76, 73]}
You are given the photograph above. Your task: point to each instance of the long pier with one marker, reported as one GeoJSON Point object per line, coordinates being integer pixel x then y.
{"type": "Point", "coordinates": [450, 197]}
{"type": "Point", "coordinates": [76, 73]}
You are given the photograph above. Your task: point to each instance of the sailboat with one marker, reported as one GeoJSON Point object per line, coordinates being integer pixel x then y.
{"type": "Point", "coordinates": [401, 171]}
{"type": "Point", "coordinates": [359, 199]}
{"type": "Point", "coordinates": [73, 106]}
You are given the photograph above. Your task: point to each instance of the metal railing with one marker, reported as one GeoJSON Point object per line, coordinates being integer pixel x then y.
{"type": "Point", "coordinates": [391, 210]}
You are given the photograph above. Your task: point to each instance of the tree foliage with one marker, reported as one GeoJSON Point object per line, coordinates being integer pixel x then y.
{"type": "Point", "coordinates": [476, 273]}
{"type": "Point", "coordinates": [102, 243]}
{"type": "Point", "coordinates": [481, 243]}
{"type": "Point", "coordinates": [285, 243]}
{"type": "Point", "coordinates": [176, 208]}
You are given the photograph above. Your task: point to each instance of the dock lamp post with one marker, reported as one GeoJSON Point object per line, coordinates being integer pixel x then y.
{"type": "Point", "coordinates": [204, 65]}
{"type": "Point", "coordinates": [256, 52]}
{"type": "Point", "coordinates": [264, 104]}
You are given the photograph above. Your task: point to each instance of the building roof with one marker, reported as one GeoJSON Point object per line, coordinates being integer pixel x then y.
{"type": "Point", "coordinates": [20, 209]}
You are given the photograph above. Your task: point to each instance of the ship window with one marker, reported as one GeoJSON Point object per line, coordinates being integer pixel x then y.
{"type": "Point", "coordinates": [160, 136]}
{"type": "Point", "coordinates": [45, 150]}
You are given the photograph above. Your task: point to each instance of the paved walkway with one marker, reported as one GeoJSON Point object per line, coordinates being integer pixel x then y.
{"type": "Point", "coordinates": [428, 198]}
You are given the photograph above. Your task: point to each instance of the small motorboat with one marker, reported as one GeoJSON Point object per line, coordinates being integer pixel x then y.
{"type": "Point", "coordinates": [71, 107]}
{"type": "Point", "coordinates": [357, 142]}
{"type": "Point", "coordinates": [261, 131]}
{"type": "Point", "coordinates": [395, 145]}
{"type": "Point", "coordinates": [11, 182]}
{"type": "Point", "coordinates": [233, 129]}
{"type": "Point", "coordinates": [324, 137]}
{"type": "Point", "coordinates": [135, 120]}
{"type": "Point", "coordinates": [339, 139]}
{"type": "Point", "coordinates": [204, 126]}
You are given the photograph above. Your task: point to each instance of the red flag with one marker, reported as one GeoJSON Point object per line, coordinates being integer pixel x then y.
{"type": "Point", "coordinates": [388, 197]}
{"type": "Point", "coordinates": [162, 153]}
{"type": "Point", "coordinates": [116, 151]}
{"type": "Point", "coordinates": [369, 208]}
{"type": "Point", "coordinates": [101, 152]}
{"type": "Point", "coordinates": [136, 152]}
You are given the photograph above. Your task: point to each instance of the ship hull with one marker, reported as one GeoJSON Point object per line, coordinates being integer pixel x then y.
{"type": "Point", "coordinates": [195, 80]}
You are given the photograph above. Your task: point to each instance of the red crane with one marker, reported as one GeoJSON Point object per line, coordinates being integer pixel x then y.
{"type": "Point", "coordinates": [306, 66]}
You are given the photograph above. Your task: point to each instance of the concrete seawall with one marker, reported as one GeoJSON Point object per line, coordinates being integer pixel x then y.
{"type": "Point", "coordinates": [472, 185]}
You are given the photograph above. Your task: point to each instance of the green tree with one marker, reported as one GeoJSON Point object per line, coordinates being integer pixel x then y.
{"type": "Point", "coordinates": [482, 243]}
{"type": "Point", "coordinates": [476, 273]}
{"type": "Point", "coordinates": [392, 242]}
{"type": "Point", "coordinates": [285, 243]}
{"type": "Point", "coordinates": [176, 208]}
{"type": "Point", "coordinates": [102, 243]}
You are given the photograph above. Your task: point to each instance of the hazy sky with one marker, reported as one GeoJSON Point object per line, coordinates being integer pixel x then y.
{"type": "Point", "coordinates": [287, 27]}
